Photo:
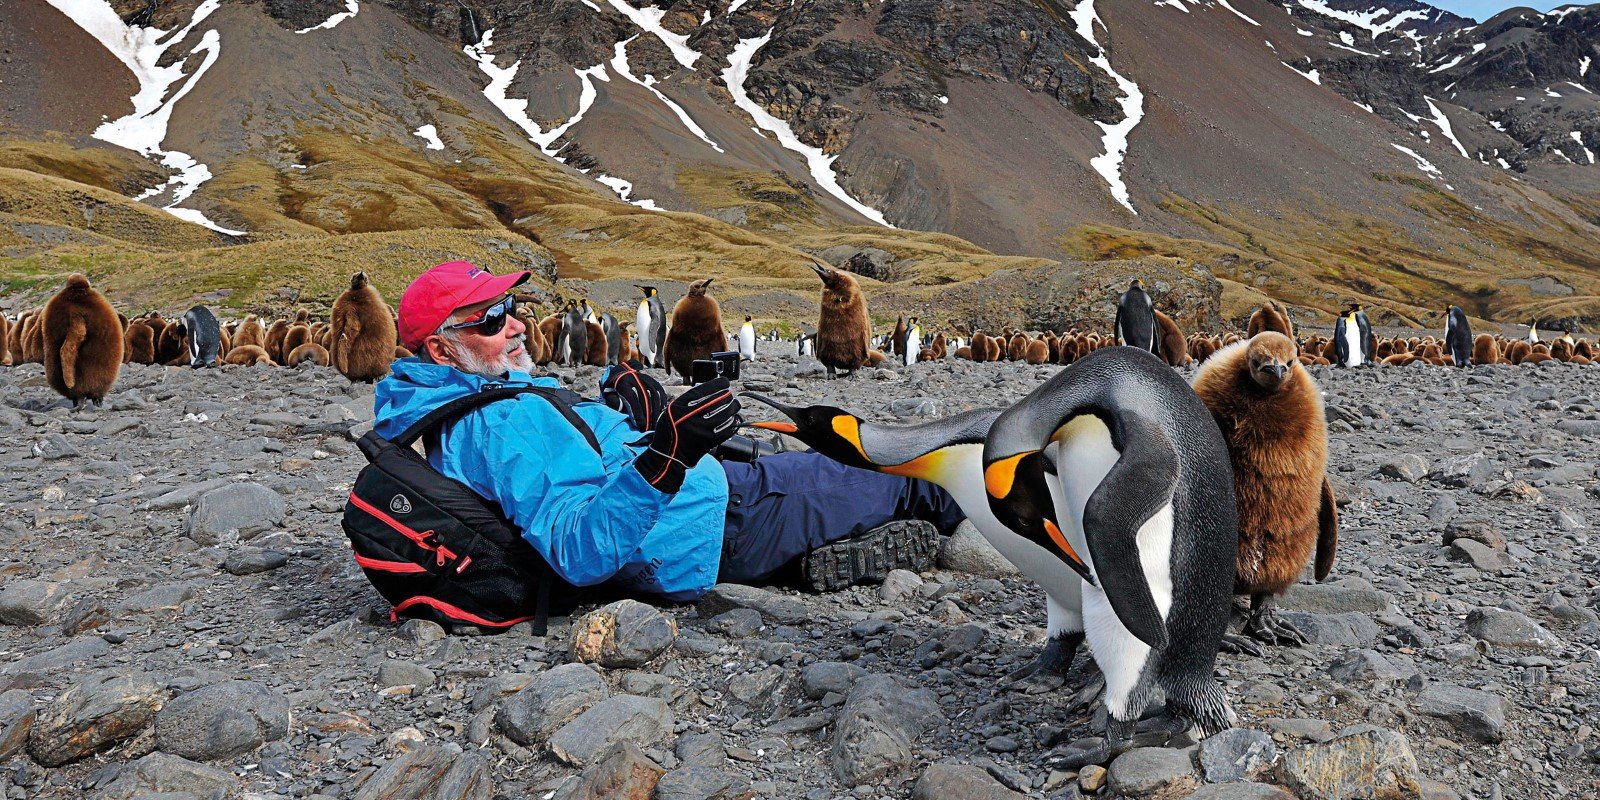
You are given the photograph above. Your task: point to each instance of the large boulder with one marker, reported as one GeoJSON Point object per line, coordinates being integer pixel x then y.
{"type": "Point", "coordinates": [624, 634]}
{"type": "Point", "coordinates": [222, 720]}
{"type": "Point", "coordinates": [873, 737]}
{"type": "Point", "coordinates": [93, 715]}
{"type": "Point", "coordinates": [549, 701]}
{"type": "Point", "coordinates": [1365, 761]}
{"type": "Point", "coordinates": [239, 510]}
{"type": "Point", "coordinates": [643, 721]}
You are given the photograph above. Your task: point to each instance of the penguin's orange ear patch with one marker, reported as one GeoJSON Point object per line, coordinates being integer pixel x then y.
{"type": "Point", "coordinates": [780, 427]}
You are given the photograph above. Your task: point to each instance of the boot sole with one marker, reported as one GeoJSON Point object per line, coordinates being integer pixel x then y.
{"type": "Point", "coordinates": [868, 558]}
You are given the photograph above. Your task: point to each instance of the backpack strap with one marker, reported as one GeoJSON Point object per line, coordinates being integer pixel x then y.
{"type": "Point", "coordinates": [461, 406]}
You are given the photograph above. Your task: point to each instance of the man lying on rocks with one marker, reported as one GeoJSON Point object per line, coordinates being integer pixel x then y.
{"type": "Point", "coordinates": [653, 514]}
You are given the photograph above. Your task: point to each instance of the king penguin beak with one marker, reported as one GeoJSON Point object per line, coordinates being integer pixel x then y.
{"type": "Point", "coordinates": [781, 427]}
{"type": "Point", "coordinates": [787, 410]}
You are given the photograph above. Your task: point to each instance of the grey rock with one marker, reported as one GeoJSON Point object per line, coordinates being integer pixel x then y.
{"type": "Point", "coordinates": [430, 773]}
{"type": "Point", "coordinates": [549, 701]}
{"type": "Point", "coordinates": [1443, 509]}
{"type": "Point", "coordinates": [873, 738]}
{"type": "Point", "coordinates": [251, 560]}
{"type": "Point", "coordinates": [774, 607]}
{"type": "Point", "coordinates": [1151, 772]}
{"type": "Point", "coordinates": [1370, 667]}
{"type": "Point", "coordinates": [166, 776]}
{"type": "Point", "coordinates": [642, 720]}
{"type": "Point", "coordinates": [1462, 471]}
{"type": "Point", "coordinates": [1366, 761]}
{"type": "Point", "coordinates": [184, 495]}
{"type": "Point", "coordinates": [1510, 629]}
{"type": "Point", "coordinates": [1329, 598]}
{"type": "Point", "coordinates": [1239, 791]}
{"type": "Point", "coordinates": [1583, 428]}
{"type": "Point", "coordinates": [394, 672]}
{"type": "Point", "coordinates": [1478, 714]}
{"type": "Point", "coordinates": [53, 446]}
{"type": "Point", "coordinates": [624, 771]}
{"type": "Point", "coordinates": [738, 623]}
{"type": "Point", "coordinates": [30, 603]}
{"type": "Point", "coordinates": [820, 678]}
{"type": "Point", "coordinates": [701, 750]}
{"type": "Point", "coordinates": [1236, 754]}
{"type": "Point", "coordinates": [949, 781]}
{"type": "Point", "coordinates": [16, 719]}
{"type": "Point", "coordinates": [1479, 556]}
{"type": "Point", "coordinates": [1346, 630]}
{"type": "Point", "coordinates": [1477, 530]}
{"type": "Point", "coordinates": [240, 509]}
{"type": "Point", "coordinates": [624, 634]}
{"type": "Point", "coordinates": [162, 597]}
{"type": "Point", "coordinates": [755, 688]}
{"type": "Point", "coordinates": [72, 653]}
{"type": "Point", "coordinates": [222, 720]}
{"type": "Point", "coordinates": [898, 585]}
{"type": "Point", "coordinates": [420, 631]}
{"type": "Point", "coordinates": [1408, 467]}
{"type": "Point", "coordinates": [967, 551]}
{"type": "Point", "coordinates": [702, 783]}
{"type": "Point", "coordinates": [92, 715]}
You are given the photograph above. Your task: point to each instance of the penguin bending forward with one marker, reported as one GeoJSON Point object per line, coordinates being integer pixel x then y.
{"type": "Point", "coordinates": [1118, 449]}
{"type": "Point", "coordinates": [1117, 461]}
{"type": "Point", "coordinates": [1136, 319]}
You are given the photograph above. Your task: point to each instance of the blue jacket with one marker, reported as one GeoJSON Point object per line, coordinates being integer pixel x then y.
{"type": "Point", "coordinates": [592, 516]}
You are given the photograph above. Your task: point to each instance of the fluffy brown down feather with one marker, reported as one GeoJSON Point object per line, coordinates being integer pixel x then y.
{"type": "Point", "coordinates": [844, 333]}
{"type": "Point", "coordinates": [82, 342]}
{"type": "Point", "coordinates": [362, 330]}
{"type": "Point", "coordinates": [696, 330]}
{"type": "Point", "coordinates": [1278, 442]}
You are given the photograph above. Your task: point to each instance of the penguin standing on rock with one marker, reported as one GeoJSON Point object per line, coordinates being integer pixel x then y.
{"type": "Point", "coordinates": [747, 340]}
{"type": "Point", "coordinates": [913, 343]}
{"type": "Point", "coordinates": [82, 342]}
{"type": "Point", "coordinates": [696, 330]}
{"type": "Point", "coordinates": [650, 326]}
{"type": "Point", "coordinates": [1352, 338]}
{"type": "Point", "coordinates": [1115, 460]}
{"type": "Point", "coordinates": [1136, 319]}
{"type": "Point", "coordinates": [613, 336]}
{"type": "Point", "coordinates": [574, 346]}
{"type": "Point", "coordinates": [1458, 336]}
{"type": "Point", "coordinates": [844, 333]}
{"type": "Point", "coordinates": [1269, 410]}
{"type": "Point", "coordinates": [362, 329]}
{"type": "Point", "coordinates": [204, 337]}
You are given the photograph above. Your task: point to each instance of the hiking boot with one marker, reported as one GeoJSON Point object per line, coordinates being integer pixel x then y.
{"type": "Point", "coordinates": [911, 544]}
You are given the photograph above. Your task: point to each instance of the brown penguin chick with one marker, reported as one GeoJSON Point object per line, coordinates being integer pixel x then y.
{"type": "Point", "coordinates": [250, 332]}
{"type": "Point", "coordinates": [940, 347]}
{"type": "Point", "coordinates": [978, 348]}
{"type": "Point", "coordinates": [5, 335]}
{"type": "Point", "coordinates": [170, 349]}
{"type": "Point", "coordinates": [33, 339]}
{"type": "Point", "coordinates": [1561, 350]}
{"type": "Point", "coordinates": [1173, 348]}
{"type": "Point", "coordinates": [363, 332]}
{"type": "Point", "coordinates": [138, 344]}
{"type": "Point", "coordinates": [1036, 352]}
{"type": "Point", "coordinates": [550, 331]}
{"type": "Point", "coordinates": [964, 352]}
{"type": "Point", "coordinates": [1583, 349]}
{"type": "Point", "coordinates": [844, 333]}
{"type": "Point", "coordinates": [1270, 412]}
{"type": "Point", "coordinates": [400, 352]}
{"type": "Point", "coordinates": [248, 356]}
{"type": "Point", "coordinates": [533, 338]}
{"type": "Point", "coordinates": [897, 340]}
{"type": "Point", "coordinates": [299, 333]}
{"type": "Point", "coordinates": [13, 342]}
{"type": "Point", "coordinates": [1071, 349]}
{"type": "Point", "coordinates": [1017, 347]}
{"type": "Point", "coordinates": [1270, 317]}
{"type": "Point", "coordinates": [596, 354]}
{"type": "Point", "coordinates": [275, 334]}
{"type": "Point", "coordinates": [82, 342]}
{"type": "Point", "coordinates": [695, 333]}
{"type": "Point", "coordinates": [310, 351]}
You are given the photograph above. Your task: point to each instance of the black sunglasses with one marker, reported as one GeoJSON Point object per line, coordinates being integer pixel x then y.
{"type": "Point", "coordinates": [493, 319]}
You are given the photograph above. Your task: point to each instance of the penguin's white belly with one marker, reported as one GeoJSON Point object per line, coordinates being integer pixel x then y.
{"type": "Point", "coordinates": [1084, 454]}
{"type": "Point", "coordinates": [1352, 345]}
{"type": "Point", "coordinates": [747, 343]}
{"type": "Point", "coordinates": [641, 324]}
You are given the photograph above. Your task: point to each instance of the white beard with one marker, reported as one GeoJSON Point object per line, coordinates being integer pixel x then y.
{"type": "Point", "coordinates": [494, 368]}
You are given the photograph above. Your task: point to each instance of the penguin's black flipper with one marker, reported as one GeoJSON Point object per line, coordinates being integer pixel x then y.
{"type": "Point", "coordinates": [1327, 531]}
{"type": "Point", "coordinates": [1138, 486]}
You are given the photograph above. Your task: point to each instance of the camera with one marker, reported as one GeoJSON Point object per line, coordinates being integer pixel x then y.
{"type": "Point", "coordinates": [719, 365]}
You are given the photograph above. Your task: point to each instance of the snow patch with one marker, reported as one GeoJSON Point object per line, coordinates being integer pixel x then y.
{"type": "Point", "coordinates": [619, 63]}
{"type": "Point", "coordinates": [1364, 107]}
{"type": "Point", "coordinates": [1366, 20]}
{"type": "Point", "coordinates": [944, 99]}
{"type": "Point", "coordinates": [1312, 76]}
{"type": "Point", "coordinates": [143, 131]}
{"type": "Point", "coordinates": [1578, 86]}
{"type": "Point", "coordinates": [624, 190]}
{"type": "Point", "coordinates": [1109, 165]}
{"type": "Point", "coordinates": [1238, 13]}
{"type": "Point", "coordinates": [1476, 49]}
{"type": "Point", "coordinates": [350, 9]}
{"type": "Point", "coordinates": [819, 163]}
{"type": "Point", "coordinates": [734, 6]}
{"type": "Point", "coordinates": [1423, 164]}
{"type": "Point", "coordinates": [1583, 66]}
{"type": "Point", "coordinates": [1578, 137]}
{"type": "Point", "coordinates": [1303, 31]}
{"type": "Point", "coordinates": [516, 108]}
{"type": "Point", "coordinates": [1178, 4]}
{"type": "Point", "coordinates": [1443, 122]}
{"type": "Point", "coordinates": [649, 20]}
{"type": "Point", "coordinates": [430, 135]}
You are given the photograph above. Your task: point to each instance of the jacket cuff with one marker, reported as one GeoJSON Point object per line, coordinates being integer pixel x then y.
{"type": "Point", "coordinates": [664, 473]}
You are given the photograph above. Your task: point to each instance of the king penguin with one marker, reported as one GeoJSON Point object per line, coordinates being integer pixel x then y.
{"type": "Point", "coordinates": [913, 342]}
{"type": "Point", "coordinates": [1533, 332]}
{"type": "Point", "coordinates": [204, 336]}
{"type": "Point", "coordinates": [747, 340]}
{"type": "Point", "coordinates": [1136, 318]}
{"type": "Point", "coordinates": [650, 326]}
{"type": "Point", "coordinates": [1458, 336]}
{"type": "Point", "coordinates": [574, 340]}
{"type": "Point", "coordinates": [1133, 460]}
{"type": "Point", "coordinates": [1352, 338]}
{"type": "Point", "coordinates": [1143, 492]}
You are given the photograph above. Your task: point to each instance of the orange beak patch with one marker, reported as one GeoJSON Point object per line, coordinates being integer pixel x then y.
{"type": "Point", "coordinates": [780, 427]}
{"type": "Point", "coordinates": [1061, 542]}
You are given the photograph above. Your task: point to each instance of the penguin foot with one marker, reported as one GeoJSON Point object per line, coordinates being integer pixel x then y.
{"type": "Point", "coordinates": [1049, 670]}
{"type": "Point", "coordinates": [1268, 627]}
{"type": "Point", "coordinates": [1242, 644]}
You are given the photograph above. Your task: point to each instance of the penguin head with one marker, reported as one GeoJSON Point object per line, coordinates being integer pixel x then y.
{"type": "Point", "coordinates": [1021, 500]}
{"type": "Point", "coordinates": [699, 287]}
{"type": "Point", "coordinates": [358, 281]}
{"type": "Point", "coordinates": [1138, 283]}
{"type": "Point", "coordinates": [833, 432]}
{"type": "Point", "coordinates": [1271, 360]}
{"type": "Point", "coordinates": [748, 318]}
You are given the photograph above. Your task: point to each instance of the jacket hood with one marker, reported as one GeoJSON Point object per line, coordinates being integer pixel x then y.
{"type": "Point", "coordinates": [415, 387]}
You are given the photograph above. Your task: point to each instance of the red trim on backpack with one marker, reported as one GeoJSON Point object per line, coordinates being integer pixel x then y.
{"type": "Point", "coordinates": [397, 567]}
{"type": "Point", "coordinates": [419, 539]}
{"type": "Point", "coordinates": [450, 611]}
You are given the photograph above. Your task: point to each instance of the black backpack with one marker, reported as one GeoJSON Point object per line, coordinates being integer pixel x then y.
{"type": "Point", "coordinates": [437, 550]}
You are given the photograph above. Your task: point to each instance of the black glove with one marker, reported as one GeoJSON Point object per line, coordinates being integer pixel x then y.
{"type": "Point", "coordinates": [626, 388]}
{"type": "Point", "coordinates": [692, 426]}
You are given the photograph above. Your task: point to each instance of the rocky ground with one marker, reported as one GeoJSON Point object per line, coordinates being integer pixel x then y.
{"type": "Point", "coordinates": [183, 619]}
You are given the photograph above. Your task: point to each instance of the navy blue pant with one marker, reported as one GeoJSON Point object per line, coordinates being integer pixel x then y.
{"type": "Point", "coordinates": [782, 506]}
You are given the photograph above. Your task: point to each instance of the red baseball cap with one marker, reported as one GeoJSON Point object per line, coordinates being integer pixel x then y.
{"type": "Point", "coordinates": [437, 293]}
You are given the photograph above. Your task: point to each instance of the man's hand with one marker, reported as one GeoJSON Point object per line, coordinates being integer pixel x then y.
{"type": "Point", "coordinates": [626, 388]}
{"type": "Point", "coordinates": [692, 426]}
